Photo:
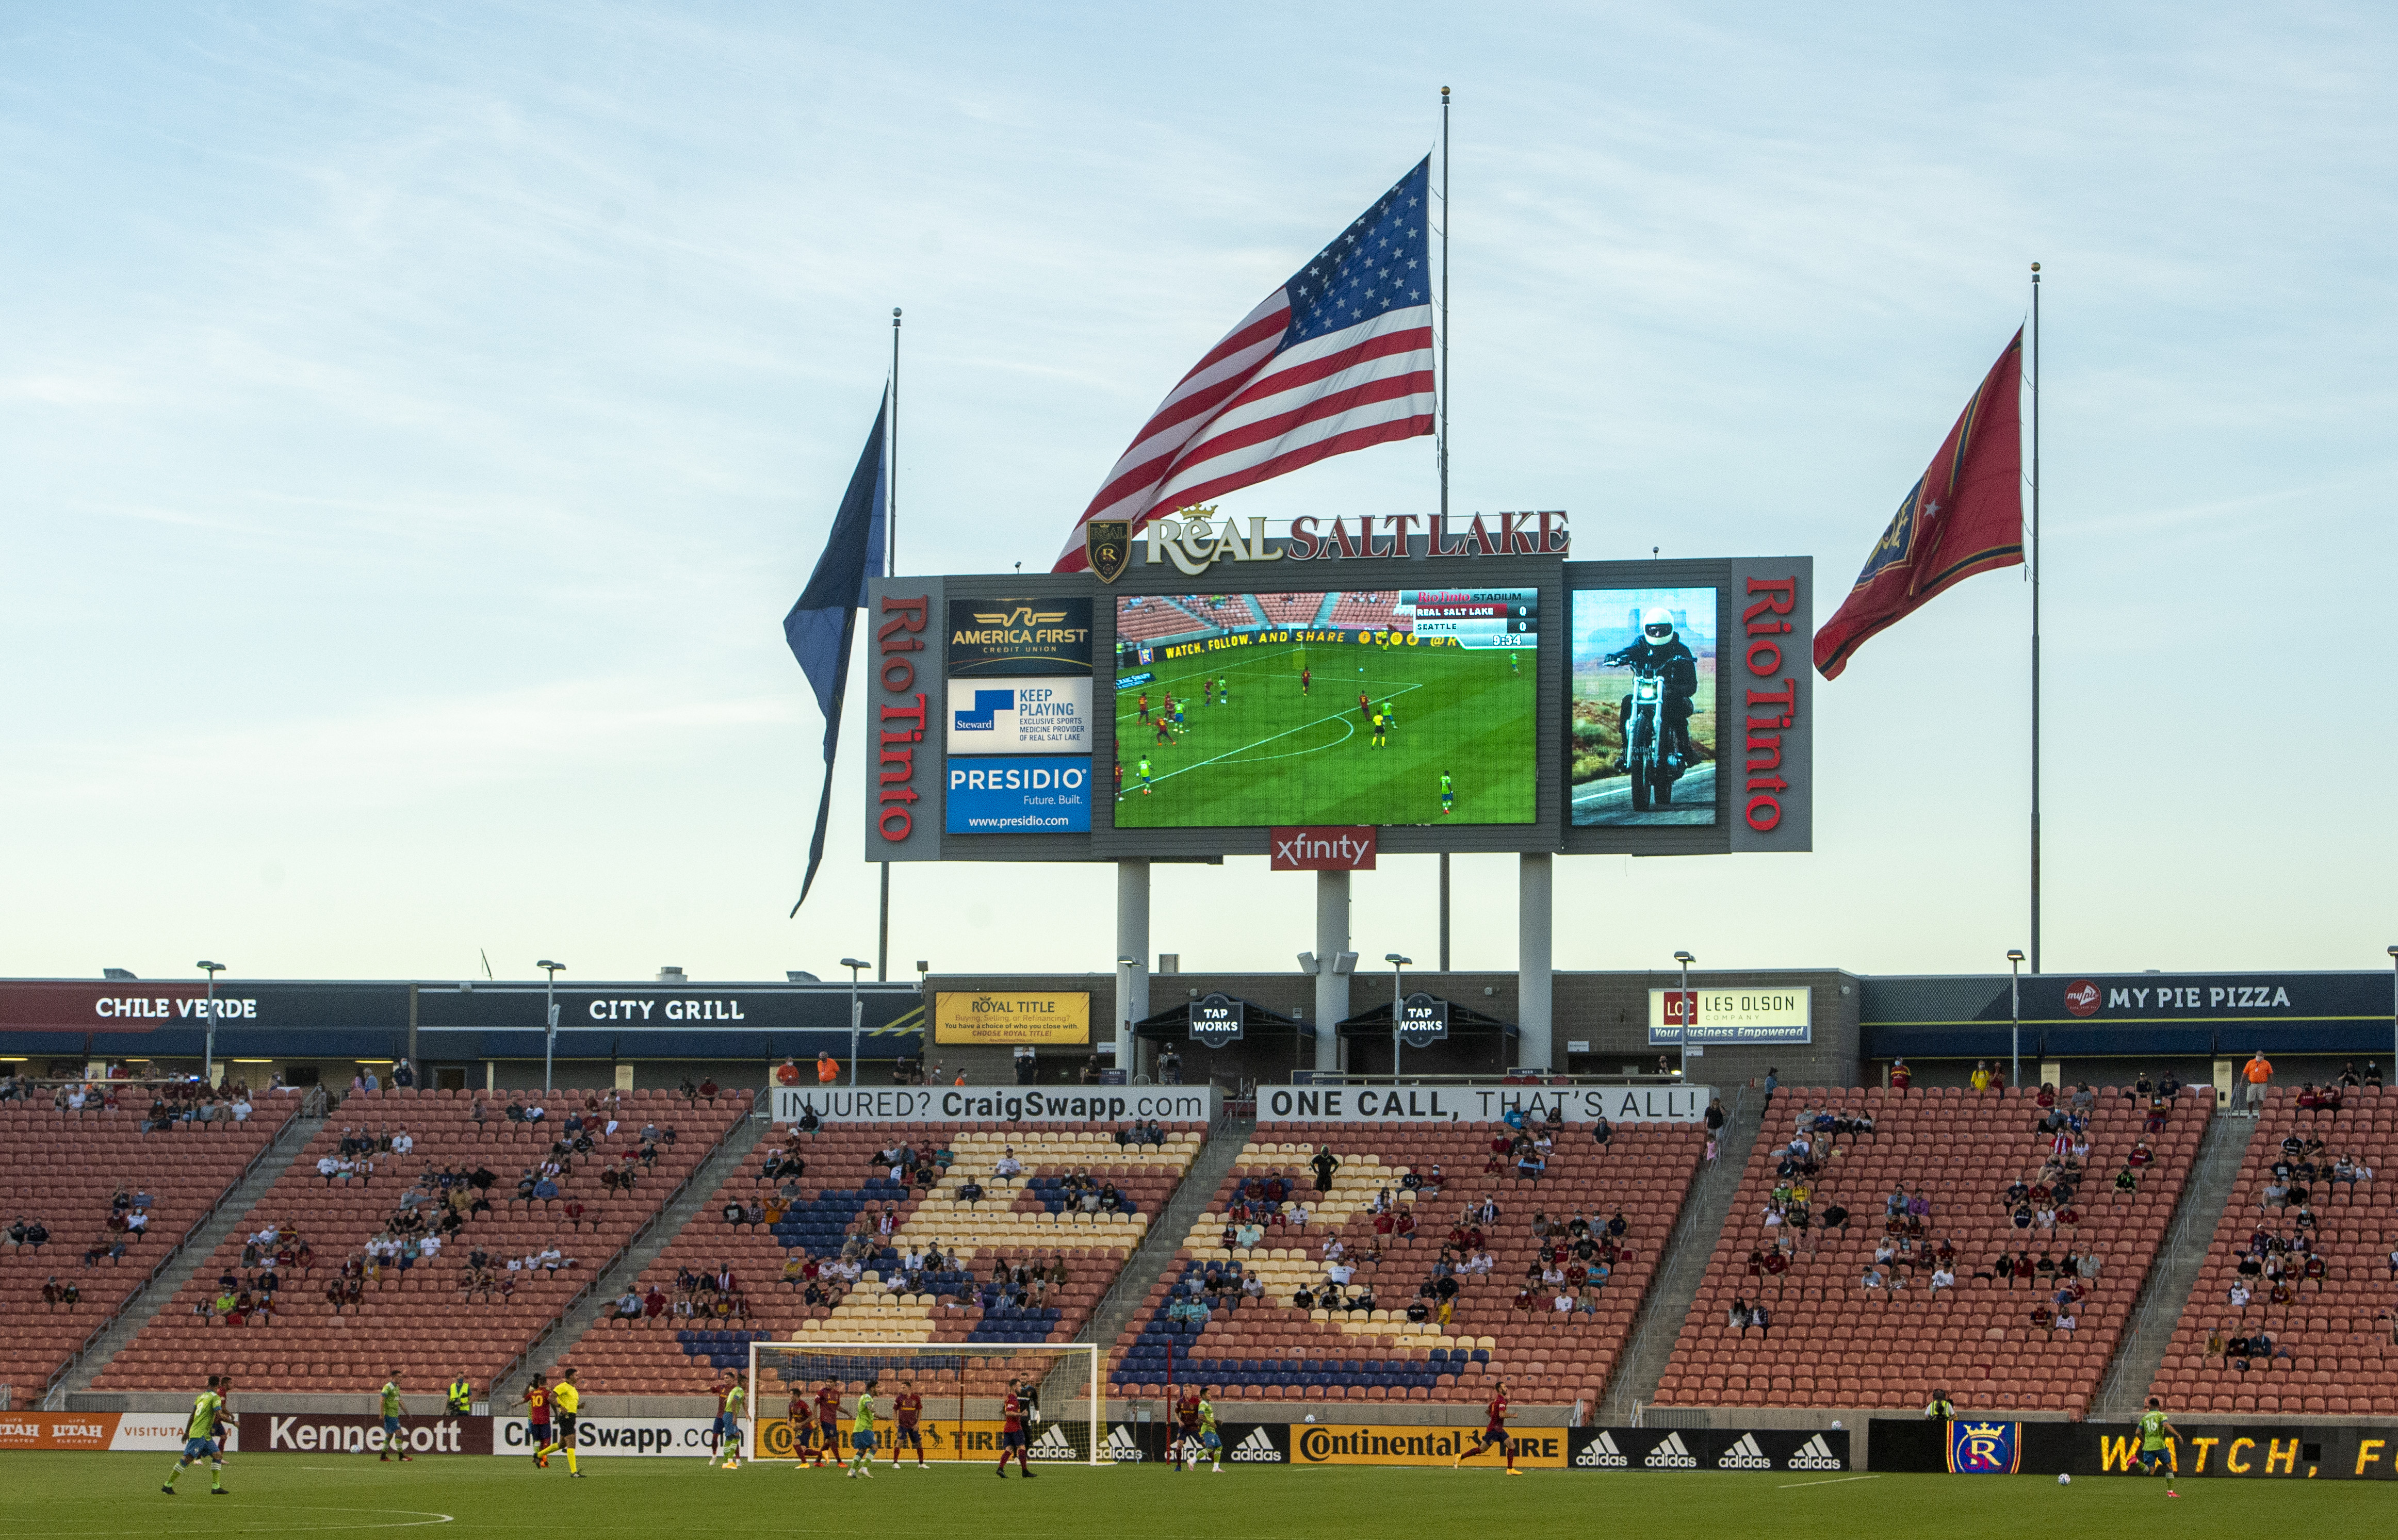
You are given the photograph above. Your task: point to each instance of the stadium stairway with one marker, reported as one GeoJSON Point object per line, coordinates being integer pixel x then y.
{"type": "Point", "coordinates": [1684, 1266]}
{"type": "Point", "coordinates": [697, 1194]}
{"type": "Point", "coordinates": [1156, 1253]}
{"type": "Point", "coordinates": [2176, 1272]}
{"type": "Point", "coordinates": [289, 1143]}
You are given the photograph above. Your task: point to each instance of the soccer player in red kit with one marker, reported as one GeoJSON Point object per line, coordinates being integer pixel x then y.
{"type": "Point", "coordinates": [802, 1416]}
{"type": "Point", "coordinates": [1186, 1426]}
{"type": "Point", "coordinates": [907, 1406]}
{"type": "Point", "coordinates": [1011, 1436]}
{"type": "Point", "coordinates": [1365, 706]}
{"type": "Point", "coordinates": [1144, 705]}
{"type": "Point", "coordinates": [828, 1418]}
{"type": "Point", "coordinates": [1494, 1434]}
{"type": "Point", "coordinates": [1306, 678]}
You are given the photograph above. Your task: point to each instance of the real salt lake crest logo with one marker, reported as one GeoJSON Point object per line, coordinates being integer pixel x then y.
{"type": "Point", "coordinates": [1815, 1455]}
{"type": "Point", "coordinates": [1053, 1444]}
{"type": "Point", "coordinates": [1122, 1447]}
{"type": "Point", "coordinates": [1744, 1454]}
{"type": "Point", "coordinates": [1257, 1448]}
{"type": "Point", "coordinates": [1673, 1455]}
{"type": "Point", "coordinates": [1601, 1453]}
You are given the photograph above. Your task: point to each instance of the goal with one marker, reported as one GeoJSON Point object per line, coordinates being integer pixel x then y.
{"type": "Point", "coordinates": [964, 1385]}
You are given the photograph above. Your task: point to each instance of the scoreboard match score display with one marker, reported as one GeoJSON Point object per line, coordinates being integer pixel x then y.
{"type": "Point", "coordinates": [1489, 702]}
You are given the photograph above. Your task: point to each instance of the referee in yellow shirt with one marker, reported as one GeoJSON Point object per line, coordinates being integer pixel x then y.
{"type": "Point", "coordinates": [566, 1403]}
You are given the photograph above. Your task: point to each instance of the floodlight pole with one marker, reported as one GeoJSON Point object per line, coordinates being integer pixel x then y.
{"type": "Point", "coordinates": [853, 964]}
{"type": "Point", "coordinates": [208, 1052]}
{"type": "Point", "coordinates": [2014, 1013]}
{"type": "Point", "coordinates": [550, 1021]}
{"type": "Point", "coordinates": [1689, 1008]}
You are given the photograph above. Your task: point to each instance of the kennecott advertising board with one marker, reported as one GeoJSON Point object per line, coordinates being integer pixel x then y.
{"type": "Point", "coordinates": [347, 1433]}
{"type": "Point", "coordinates": [1100, 1109]}
{"type": "Point", "coordinates": [1481, 1104]}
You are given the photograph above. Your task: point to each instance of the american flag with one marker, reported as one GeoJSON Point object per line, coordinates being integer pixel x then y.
{"type": "Point", "coordinates": [1338, 357]}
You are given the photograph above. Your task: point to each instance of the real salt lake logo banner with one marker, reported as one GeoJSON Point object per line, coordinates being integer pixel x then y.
{"type": "Point", "coordinates": [1983, 1449]}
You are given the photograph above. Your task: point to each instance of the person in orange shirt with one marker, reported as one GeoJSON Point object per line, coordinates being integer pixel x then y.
{"type": "Point", "coordinates": [787, 1073]}
{"type": "Point", "coordinates": [2259, 1073]}
{"type": "Point", "coordinates": [827, 1069]}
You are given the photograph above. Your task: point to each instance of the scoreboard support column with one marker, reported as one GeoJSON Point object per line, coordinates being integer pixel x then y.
{"type": "Point", "coordinates": [1331, 984]}
{"type": "Point", "coordinates": [1533, 959]}
{"type": "Point", "coordinates": [1132, 941]}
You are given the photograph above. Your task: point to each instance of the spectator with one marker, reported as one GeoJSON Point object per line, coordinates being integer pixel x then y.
{"type": "Point", "coordinates": [1028, 1064]}
{"type": "Point", "coordinates": [628, 1307]}
{"type": "Point", "coordinates": [828, 1070]}
{"type": "Point", "coordinates": [2256, 1074]}
{"type": "Point", "coordinates": [1169, 1067]}
{"type": "Point", "coordinates": [1602, 1132]}
{"type": "Point", "coordinates": [970, 1192]}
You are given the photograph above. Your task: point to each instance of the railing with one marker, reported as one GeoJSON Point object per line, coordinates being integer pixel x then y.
{"type": "Point", "coordinates": [1683, 1246]}
{"type": "Point", "coordinates": [2186, 1217]}
{"type": "Point", "coordinates": [54, 1388]}
{"type": "Point", "coordinates": [549, 1329]}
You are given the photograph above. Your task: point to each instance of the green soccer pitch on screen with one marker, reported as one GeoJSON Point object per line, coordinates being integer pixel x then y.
{"type": "Point", "coordinates": [1384, 707]}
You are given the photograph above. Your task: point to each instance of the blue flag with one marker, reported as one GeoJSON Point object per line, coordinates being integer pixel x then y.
{"type": "Point", "coordinates": [820, 626]}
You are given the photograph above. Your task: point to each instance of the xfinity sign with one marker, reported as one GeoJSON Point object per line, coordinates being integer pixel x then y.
{"type": "Point", "coordinates": [1320, 850]}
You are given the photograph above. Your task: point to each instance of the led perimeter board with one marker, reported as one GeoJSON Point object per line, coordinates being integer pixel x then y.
{"type": "Point", "coordinates": [1514, 705]}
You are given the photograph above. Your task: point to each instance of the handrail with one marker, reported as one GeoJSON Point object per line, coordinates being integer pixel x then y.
{"type": "Point", "coordinates": [56, 1385]}
{"type": "Point", "coordinates": [549, 1328]}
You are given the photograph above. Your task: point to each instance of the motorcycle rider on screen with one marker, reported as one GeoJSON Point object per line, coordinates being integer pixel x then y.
{"type": "Point", "coordinates": [1659, 649]}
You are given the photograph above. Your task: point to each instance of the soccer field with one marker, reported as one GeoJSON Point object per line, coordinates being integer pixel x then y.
{"type": "Point", "coordinates": [71, 1497]}
{"type": "Point", "coordinates": [1277, 755]}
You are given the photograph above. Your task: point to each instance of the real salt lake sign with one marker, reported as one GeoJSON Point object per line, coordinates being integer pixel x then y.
{"type": "Point", "coordinates": [1481, 1104]}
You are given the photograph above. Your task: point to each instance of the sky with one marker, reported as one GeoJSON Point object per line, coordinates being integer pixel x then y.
{"type": "Point", "coordinates": [415, 420]}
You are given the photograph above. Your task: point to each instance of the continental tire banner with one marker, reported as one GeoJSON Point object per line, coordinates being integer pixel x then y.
{"type": "Point", "coordinates": [943, 1440]}
{"type": "Point", "coordinates": [2258, 1451]}
{"type": "Point", "coordinates": [1707, 1448]}
{"type": "Point", "coordinates": [1352, 1444]}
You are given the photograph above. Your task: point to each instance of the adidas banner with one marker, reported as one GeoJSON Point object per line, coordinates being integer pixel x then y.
{"type": "Point", "coordinates": [1243, 1443]}
{"type": "Point", "coordinates": [1705, 1449]}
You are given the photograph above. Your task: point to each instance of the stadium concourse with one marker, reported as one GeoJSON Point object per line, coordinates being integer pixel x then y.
{"type": "Point", "coordinates": [319, 1227]}
{"type": "Point", "coordinates": [1843, 1236]}
{"type": "Point", "coordinates": [76, 1175]}
{"type": "Point", "coordinates": [1400, 1202]}
{"type": "Point", "coordinates": [1000, 1198]}
{"type": "Point", "coordinates": [2301, 1270]}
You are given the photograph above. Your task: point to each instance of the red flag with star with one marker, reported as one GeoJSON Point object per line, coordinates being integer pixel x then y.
{"type": "Point", "coordinates": [1964, 516]}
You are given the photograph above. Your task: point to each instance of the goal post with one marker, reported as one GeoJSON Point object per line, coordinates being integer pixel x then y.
{"type": "Point", "coordinates": [963, 1385]}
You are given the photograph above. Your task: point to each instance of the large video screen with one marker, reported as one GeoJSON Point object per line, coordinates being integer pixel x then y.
{"type": "Point", "coordinates": [1389, 707]}
{"type": "Point", "coordinates": [1642, 734]}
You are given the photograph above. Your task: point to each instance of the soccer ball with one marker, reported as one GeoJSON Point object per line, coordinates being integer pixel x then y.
{"type": "Point", "coordinates": [2063, 1480]}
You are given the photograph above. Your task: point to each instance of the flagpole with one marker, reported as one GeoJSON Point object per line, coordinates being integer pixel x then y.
{"type": "Point", "coordinates": [1441, 454]}
{"type": "Point", "coordinates": [2035, 617]}
{"type": "Point", "coordinates": [891, 569]}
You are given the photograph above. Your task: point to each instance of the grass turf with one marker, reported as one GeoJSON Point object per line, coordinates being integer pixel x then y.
{"type": "Point", "coordinates": [69, 1497]}
{"type": "Point", "coordinates": [1274, 756]}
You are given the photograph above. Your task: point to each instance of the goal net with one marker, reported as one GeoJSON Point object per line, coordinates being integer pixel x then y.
{"type": "Point", "coordinates": [963, 1386]}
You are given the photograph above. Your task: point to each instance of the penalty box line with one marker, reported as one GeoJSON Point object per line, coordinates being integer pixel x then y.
{"type": "Point", "coordinates": [1262, 743]}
